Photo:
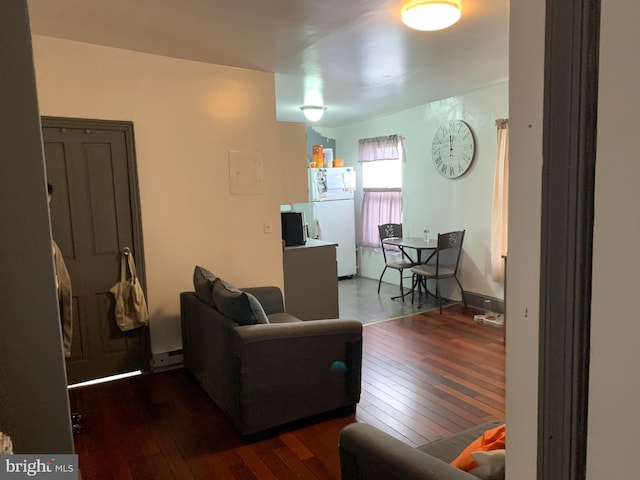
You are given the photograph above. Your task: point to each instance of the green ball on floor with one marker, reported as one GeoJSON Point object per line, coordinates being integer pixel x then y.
{"type": "Point", "coordinates": [338, 366]}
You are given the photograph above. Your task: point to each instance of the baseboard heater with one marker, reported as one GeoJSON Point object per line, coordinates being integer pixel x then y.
{"type": "Point", "coordinates": [166, 360]}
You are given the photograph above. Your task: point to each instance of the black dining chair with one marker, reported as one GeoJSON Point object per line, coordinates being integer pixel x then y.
{"type": "Point", "coordinates": [445, 266]}
{"type": "Point", "coordinates": [393, 230]}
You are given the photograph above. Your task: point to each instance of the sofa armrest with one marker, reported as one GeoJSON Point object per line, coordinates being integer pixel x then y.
{"type": "Point", "coordinates": [367, 453]}
{"type": "Point", "coordinates": [255, 334]}
{"type": "Point", "coordinates": [269, 297]}
{"type": "Point", "coordinates": [288, 371]}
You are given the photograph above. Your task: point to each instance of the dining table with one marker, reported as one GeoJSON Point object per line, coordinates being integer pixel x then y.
{"type": "Point", "coordinates": [417, 246]}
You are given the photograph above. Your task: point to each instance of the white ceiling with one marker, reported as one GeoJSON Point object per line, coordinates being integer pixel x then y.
{"type": "Point", "coordinates": [355, 54]}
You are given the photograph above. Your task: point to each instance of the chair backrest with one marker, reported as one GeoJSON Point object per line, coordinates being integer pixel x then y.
{"type": "Point", "coordinates": [388, 230]}
{"type": "Point", "coordinates": [448, 241]}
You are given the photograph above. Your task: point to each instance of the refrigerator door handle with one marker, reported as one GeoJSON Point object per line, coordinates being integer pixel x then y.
{"type": "Point", "coordinates": [315, 229]}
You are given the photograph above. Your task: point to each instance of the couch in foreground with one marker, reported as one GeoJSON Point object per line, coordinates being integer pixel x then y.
{"type": "Point", "coordinates": [264, 375]}
{"type": "Point", "coordinates": [367, 453]}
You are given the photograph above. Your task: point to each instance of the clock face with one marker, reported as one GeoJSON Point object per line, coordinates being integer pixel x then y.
{"type": "Point", "coordinates": [453, 148]}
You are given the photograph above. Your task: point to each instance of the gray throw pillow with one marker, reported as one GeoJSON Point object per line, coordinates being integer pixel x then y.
{"type": "Point", "coordinates": [258, 311]}
{"type": "Point", "coordinates": [233, 303]}
{"type": "Point", "coordinates": [203, 284]}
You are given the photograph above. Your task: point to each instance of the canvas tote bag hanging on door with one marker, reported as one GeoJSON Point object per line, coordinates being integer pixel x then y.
{"type": "Point", "coordinates": [131, 307]}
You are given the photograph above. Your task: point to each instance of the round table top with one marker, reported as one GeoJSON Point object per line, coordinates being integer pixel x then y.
{"type": "Point", "coordinates": [418, 243]}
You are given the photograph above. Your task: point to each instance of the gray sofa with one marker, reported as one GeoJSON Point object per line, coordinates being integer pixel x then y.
{"type": "Point", "coordinates": [367, 453]}
{"type": "Point", "coordinates": [267, 375]}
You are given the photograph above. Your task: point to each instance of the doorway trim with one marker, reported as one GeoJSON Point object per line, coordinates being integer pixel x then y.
{"type": "Point", "coordinates": [572, 40]}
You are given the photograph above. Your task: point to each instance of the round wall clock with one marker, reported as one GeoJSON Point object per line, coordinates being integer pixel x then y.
{"type": "Point", "coordinates": [453, 149]}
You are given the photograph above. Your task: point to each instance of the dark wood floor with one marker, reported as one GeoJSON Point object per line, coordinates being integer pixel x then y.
{"type": "Point", "coordinates": [424, 377]}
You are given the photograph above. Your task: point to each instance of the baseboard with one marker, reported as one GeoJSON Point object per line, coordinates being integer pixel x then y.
{"type": "Point", "coordinates": [166, 360]}
{"type": "Point", "coordinates": [476, 300]}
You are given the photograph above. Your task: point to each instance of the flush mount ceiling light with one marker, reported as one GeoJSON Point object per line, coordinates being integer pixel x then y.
{"type": "Point", "coordinates": [430, 15]}
{"type": "Point", "coordinates": [313, 113]}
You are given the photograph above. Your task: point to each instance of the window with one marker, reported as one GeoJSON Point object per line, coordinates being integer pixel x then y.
{"type": "Point", "coordinates": [381, 160]}
{"type": "Point", "coordinates": [382, 174]}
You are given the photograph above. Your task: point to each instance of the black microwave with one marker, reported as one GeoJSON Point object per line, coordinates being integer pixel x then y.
{"type": "Point", "coordinates": [294, 230]}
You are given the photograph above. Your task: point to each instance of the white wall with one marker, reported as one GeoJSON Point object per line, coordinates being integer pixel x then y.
{"type": "Point", "coordinates": [526, 76]}
{"type": "Point", "coordinates": [428, 197]}
{"type": "Point", "coordinates": [614, 390]}
{"type": "Point", "coordinates": [187, 116]}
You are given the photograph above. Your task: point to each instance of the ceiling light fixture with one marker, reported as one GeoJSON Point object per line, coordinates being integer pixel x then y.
{"type": "Point", "coordinates": [312, 112]}
{"type": "Point", "coordinates": [430, 15]}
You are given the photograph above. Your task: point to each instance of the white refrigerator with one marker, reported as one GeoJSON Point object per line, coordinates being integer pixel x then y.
{"type": "Point", "coordinates": [331, 192]}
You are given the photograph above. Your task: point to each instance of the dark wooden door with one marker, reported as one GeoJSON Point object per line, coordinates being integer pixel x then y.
{"type": "Point", "coordinates": [94, 215]}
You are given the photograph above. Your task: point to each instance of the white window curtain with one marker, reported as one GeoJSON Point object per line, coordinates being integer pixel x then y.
{"type": "Point", "coordinates": [500, 205]}
{"type": "Point", "coordinates": [380, 205]}
{"type": "Point", "coordinates": [380, 148]}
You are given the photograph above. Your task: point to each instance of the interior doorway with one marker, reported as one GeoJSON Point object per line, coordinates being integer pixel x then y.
{"type": "Point", "coordinates": [95, 213]}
